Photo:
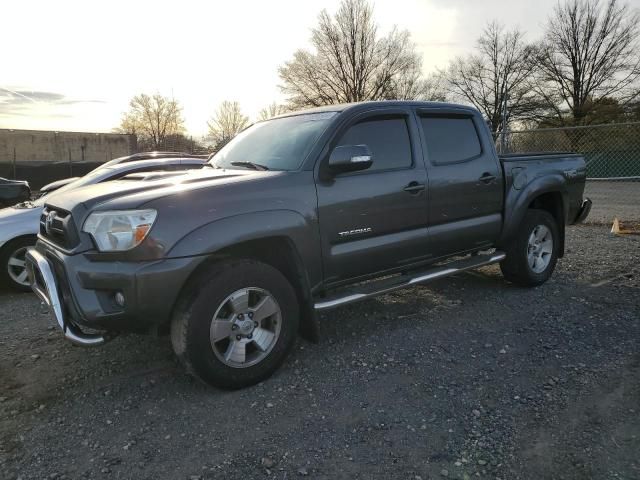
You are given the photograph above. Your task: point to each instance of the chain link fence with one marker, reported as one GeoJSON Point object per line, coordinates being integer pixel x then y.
{"type": "Point", "coordinates": [175, 143]}
{"type": "Point", "coordinates": [612, 154]}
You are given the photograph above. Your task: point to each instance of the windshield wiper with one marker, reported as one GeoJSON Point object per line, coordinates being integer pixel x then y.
{"type": "Point", "coordinates": [253, 165]}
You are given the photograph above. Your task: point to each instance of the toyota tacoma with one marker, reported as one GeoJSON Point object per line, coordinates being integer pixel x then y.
{"type": "Point", "coordinates": [297, 215]}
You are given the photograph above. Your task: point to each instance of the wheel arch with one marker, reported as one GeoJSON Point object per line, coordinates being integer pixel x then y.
{"type": "Point", "coordinates": [16, 239]}
{"type": "Point", "coordinates": [278, 251]}
{"type": "Point", "coordinates": [546, 193]}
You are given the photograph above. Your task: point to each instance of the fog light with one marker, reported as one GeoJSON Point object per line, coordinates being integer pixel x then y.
{"type": "Point", "coordinates": [119, 298]}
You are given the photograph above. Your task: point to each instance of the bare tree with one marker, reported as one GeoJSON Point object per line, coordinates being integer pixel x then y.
{"type": "Point", "coordinates": [351, 62]}
{"type": "Point", "coordinates": [227, 122]}
{"type": "Point", "coordinates": [501, 68]}
{"type": "Point", "coordinates": [590, 54]}
{"type": "Point", "coordinates": [414, 86]}
{"type": "Point", "coordinates": [272, 110]}
{"type": "Point", "coordinates": [153, 119]}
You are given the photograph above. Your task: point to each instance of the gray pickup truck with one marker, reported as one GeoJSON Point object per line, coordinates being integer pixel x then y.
{"type": "Point", "coordinates": [299, 214]}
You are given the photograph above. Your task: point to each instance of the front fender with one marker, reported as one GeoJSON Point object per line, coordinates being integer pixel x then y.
{"type": "Point", "coordinates": [20, 224]}
{"type": "Point", "coordinates": [230, 231]}
{"type": "Point", "coordinates": [517, 201]}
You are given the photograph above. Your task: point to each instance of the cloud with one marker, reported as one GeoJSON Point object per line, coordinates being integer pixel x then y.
{"type": "Point", "coordinates": [12, 97]}
{"type": "Point", "coordinates": [21, 101]}
{"type": "Point", "coordinates": [19, 96]}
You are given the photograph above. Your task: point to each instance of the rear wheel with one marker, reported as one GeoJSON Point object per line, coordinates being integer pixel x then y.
{"type": "Point", "coordinates": [533, 253]}
{"type": "Point", "coordinates": [13, 264]}
{"type": "Point", "coordinates": [235, 325]}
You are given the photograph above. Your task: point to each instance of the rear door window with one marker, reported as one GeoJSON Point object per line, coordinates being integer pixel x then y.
{"type": "Point", "coordinates": [450, 139]}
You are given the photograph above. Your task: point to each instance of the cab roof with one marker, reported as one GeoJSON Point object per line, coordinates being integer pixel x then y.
{"type": "Point", "coordinates": [344, 107]}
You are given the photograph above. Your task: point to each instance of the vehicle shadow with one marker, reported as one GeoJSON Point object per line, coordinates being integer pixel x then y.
{"type": "Point", "coordinates": [403, 308]}
{"type": "Point", "coordinates": [7, 291]}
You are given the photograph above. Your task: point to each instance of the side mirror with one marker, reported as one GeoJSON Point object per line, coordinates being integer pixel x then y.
{"type": "Point", "coordinates": [350, 158]}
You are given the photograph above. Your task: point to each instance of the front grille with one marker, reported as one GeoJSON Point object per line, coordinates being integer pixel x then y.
{"type": "Point", "coordinates": [57, 226]}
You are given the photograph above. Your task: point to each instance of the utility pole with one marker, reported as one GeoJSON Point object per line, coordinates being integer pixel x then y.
{"type": "Point", "coordinates": [503, 136]}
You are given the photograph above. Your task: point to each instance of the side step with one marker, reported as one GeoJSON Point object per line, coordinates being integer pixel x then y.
{"type": "Point", "coordinates": [378, 287]}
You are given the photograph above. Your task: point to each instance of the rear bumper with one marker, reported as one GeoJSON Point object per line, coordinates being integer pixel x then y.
{"type": "Point", "coordinates": [82, 292]}
{"type": "Point", "coordinates": [583, 213]}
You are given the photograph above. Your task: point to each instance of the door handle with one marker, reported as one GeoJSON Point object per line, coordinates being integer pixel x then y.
{"type": "Point", "coordinates": [487, 177]}
{"type": "Point", "coordinates": [414, 188]}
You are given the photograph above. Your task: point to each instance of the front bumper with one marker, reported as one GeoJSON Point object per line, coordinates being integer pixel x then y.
{"type": "Point", "coordinates": [80, 292]}
{"type": "Point", "coordinates": [43, 283]}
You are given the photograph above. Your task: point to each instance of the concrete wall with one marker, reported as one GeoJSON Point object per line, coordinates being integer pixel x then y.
{"type": "Point", "coordinates": [43, 156]}
{"type": "Point", "coordinates": [35, 145]}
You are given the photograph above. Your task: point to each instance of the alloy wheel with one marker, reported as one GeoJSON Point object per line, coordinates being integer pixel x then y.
{"type": "Point", "coordinates": [17, 267]}
{"type": "Point", "coordinates": [540, 248]}
{"type": "Point", "coordinates": [245, 327]}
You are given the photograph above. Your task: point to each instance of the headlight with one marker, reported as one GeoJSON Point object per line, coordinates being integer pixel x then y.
{"type": "Point", "coordinates": [116, 231]}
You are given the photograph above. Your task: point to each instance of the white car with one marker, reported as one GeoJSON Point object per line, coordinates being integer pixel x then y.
{"type": "Point", "coordinates": [19, 224]}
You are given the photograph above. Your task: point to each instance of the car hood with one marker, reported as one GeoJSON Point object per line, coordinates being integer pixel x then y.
{"type": "Point", "coordinates": [133, 193]}
{"type": "Point", "coordinates": [18, 214]}
{"type": "Point", "coordinates": [17, 222]}
{"type": "Point", "coordinates": [50, 187]}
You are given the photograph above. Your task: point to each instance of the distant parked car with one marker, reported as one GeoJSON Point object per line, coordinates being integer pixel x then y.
{"type": "Point", "coordinates": [13, 191]}
{"type": "Point", "coordinates": [19, 224]}
{"type": "Point", "coordinates": [50, 187]}
{"type": "Point", "coordinates": [136, 157]}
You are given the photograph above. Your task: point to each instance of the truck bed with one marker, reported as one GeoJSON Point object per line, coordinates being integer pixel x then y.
{"type": "Point", "coordinates": [522, 169]}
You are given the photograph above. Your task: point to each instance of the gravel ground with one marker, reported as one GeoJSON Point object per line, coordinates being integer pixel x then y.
{"type": "Point", "coordinates": [470, 377]}
{"type": "Point", "coordinates": [613, 199]}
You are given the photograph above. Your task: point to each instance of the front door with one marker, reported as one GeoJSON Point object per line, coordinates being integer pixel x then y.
{"type": "Point", "coordinates": [375, 219]}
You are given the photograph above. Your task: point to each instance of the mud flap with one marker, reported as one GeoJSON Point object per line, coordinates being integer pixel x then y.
{"type": "Point", "coordinates": [309, 326]}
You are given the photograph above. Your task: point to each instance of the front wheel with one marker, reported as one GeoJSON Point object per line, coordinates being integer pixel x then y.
{"type": "Point", "coordinates": [533, 253]}
{"type": "Point", "coordinates": [14, 265]}
{"type": "Point", "coordinates": [235, 325]}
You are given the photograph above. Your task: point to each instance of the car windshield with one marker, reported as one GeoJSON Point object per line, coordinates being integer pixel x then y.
{"type": "Point", "coordinates": [278, 144]}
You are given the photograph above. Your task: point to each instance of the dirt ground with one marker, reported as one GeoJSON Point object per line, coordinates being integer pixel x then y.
{"type": "Point", "coordinates": [469, 377]}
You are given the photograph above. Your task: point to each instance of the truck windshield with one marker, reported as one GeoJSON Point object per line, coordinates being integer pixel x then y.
{"type": "Point", "coordinates": [278, 144]}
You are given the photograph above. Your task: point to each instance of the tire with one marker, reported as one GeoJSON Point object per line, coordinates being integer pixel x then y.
{"type": "Point", "coordinates": [539, 227]}
{"type": "Point", "coordinates": [219, 334]}
{"type": "Point", "coordinates": [12, 267]}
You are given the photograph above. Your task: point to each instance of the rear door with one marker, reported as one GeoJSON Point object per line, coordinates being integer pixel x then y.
{"type": "Point", "coordinates": [375, 219]}
{"type": "Point", "coordinates": [465, 182]}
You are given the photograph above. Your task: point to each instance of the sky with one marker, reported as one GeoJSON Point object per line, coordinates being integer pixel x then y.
{"type": "Point", "coordinates": [74, 65]}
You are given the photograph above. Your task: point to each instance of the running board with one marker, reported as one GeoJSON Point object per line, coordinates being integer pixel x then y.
{"type": "Point", "coordinates": [379, 287]}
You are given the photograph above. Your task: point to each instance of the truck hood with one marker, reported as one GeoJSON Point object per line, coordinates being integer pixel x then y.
{"type": "Point", "coordinates": [132, 192]}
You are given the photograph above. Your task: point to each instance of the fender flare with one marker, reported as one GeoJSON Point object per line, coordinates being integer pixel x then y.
{"type": "Point", "coordinates": [225, 232]}
{"type": "Point", "coordinates": [301, 234]}
{"type": "Point", "coordinates": [519, 200]}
